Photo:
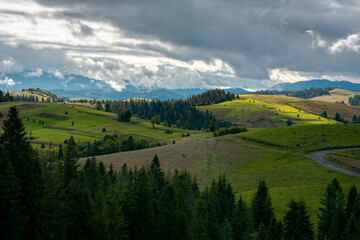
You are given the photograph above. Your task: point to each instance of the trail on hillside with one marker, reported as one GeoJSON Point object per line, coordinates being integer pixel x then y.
{"type": "Point", "coordinates": [319, 158]}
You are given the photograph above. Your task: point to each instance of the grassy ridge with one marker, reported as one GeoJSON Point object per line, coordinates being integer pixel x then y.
{"type": "Point", "coordinates": [255, 111]}
{"type": "Point", "coordinates": [88, 124]}
{"type": "Point", "coordinates": [307, 138]}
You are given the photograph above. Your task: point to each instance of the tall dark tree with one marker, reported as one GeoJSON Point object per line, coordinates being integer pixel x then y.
{"type": "Point", "coordinates": [332, 217]}
{"type": "Point", "coordinates": [242, 220]}
{"type": "Point", "coordinates": [297, 222]}
{"type": "Point", "coordinates": [12, 215]}
{"type": "Point", "coordinates": [17, 151]}
{"type": "Point", "coordinates": [68, 164]}
{"type": "Point", "coordinates": [353, 203]}
{"type": "Point", "coordinates": [261, 207]}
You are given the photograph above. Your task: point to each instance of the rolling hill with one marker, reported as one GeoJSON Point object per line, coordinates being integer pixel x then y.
{"type": "Point", "coordinates": [88, 124]}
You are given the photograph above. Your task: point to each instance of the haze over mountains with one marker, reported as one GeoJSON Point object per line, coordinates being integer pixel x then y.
{"type": "Point", "coordinates": [77, 86]}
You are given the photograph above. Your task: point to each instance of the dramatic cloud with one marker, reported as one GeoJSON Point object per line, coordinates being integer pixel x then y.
{"type": "Point", "coordinates": [7, 82]}
{"type": "Point", "coordinates": [187, 43]}
{"type": "Point", "coordinates": [352, 43]}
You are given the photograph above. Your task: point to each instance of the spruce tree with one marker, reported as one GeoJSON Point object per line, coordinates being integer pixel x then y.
{"type": "Point", "coordinates": [332, 217]}
{"type": "Point", "coordinates": [262, 233]}
{"type": "Point", "coordinates": [16, 150]}
{"type": "Point", "coordinates": [297, 222]}
{"type": "Point", "coordinates": [242, 221]}
{"type": "Point", "coordinates": [353, 203]}
{"type": "Point", "coordinates": [12, 212]}
{"type": "Point", "coordinates": [352, 229]}
{"type": "Point", "coordinates": [261, 207]}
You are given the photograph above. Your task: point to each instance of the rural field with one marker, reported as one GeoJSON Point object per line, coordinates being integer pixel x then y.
{"type": "Point", "coordinates": [270, 150]}
{"type": "Point", "coordinates": [288, 174]}
{"type": "Point", "coordinates": [58, 125]}
{"type": "Point", "coordinates": [268, 111]}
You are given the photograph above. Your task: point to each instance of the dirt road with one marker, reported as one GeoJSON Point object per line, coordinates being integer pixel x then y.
{"type": "Point", "coordinates": [319, 158]}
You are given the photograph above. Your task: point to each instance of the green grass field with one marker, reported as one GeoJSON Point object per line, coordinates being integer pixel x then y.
{"type": "Point", "coordinates": [307, 138]}
{"type": "Point", "coordinates": [288, 175]}
{"type": "Point", "coordinates": [251, 111]}
{"type": "Point", "coordinates": [88, 124]}
{"type": "Point", "coordinates": [278, 155]}
{"type": "Point", "coordinates": [349, 159]}
{"type": "Point", "coordinates": [337, 95]}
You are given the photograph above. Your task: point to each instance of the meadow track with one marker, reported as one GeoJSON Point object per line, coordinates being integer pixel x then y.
{"type": "Point", "coordinates": [319, 158]}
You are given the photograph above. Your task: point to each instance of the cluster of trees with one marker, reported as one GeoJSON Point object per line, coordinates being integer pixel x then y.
{"type": "Point", "coordinates": [211, 97]}
{"type": "Point", "coordinates": [307, 93]}
{"type": "Point", "coordinates": [339, 118]}
{"type": "Point", "coordinates": [355, 100]}
{"type": "Point", "coordinates": [230, 130]}
{"type": "Point", "coordinates": [181, 112]}
{"type": "Point", "coordinates": [5, 97]}
{"type": "Point", "coordinates": [45, 96]}
{"type": "Point", "coordinates": [53, 198]}
{"type": "Point", "coordinates": [111, 144]}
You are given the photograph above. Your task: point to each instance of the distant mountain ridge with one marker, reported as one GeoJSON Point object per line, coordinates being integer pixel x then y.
{"type": "Point", "coordinates": [77, 86]}
{"type": "Point", "coordinates": [316, 83]}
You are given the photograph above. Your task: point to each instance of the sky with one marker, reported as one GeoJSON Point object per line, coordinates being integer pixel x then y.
{"type": "Point", "coordinates": [252, 44]}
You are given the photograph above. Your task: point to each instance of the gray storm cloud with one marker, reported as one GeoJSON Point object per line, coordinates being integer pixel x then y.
{"type": "Point", "coordinates": [179, 43]}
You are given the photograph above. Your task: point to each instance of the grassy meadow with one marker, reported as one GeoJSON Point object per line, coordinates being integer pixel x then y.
{"type": "Point", "coordinates": [88, 124]}
{"type": "Point", "coordinates": [288, 174]}
{"type": "Point", "coordinates": [264, 112]}
{"type": "Point", "coordinates": [279, 154]}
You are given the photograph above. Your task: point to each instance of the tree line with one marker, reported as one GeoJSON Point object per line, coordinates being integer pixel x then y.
{"type": "Point", "coordinates": [44, 96]}
{"type": "Point", "coordinates": [307, 93]}
{"type": "Point", "coordinates": [5, 97]}
{"type": "Point", "coordinates": [110, 144]}
{"type": "Point", "coordinates": [183, 113]}
{"type": "Point", "coordinates": [355, 100]}
{"type": "Point", "coordinates": [52, 197]}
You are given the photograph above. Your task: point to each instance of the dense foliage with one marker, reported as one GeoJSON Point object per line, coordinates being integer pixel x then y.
{"type": "Point", "coordinates": [307, 93]}
{"type": "Point", "coordinates": [355, 100]}
{"type": "Point", "coordinates": [52, 197]}
{"type": "Point", "coordinates": [230, 130]}
{"type": "Point", "coordinates": [112, 144]}
{"type": "Point", "coordinates": [182, 112]}
{"type": "Point", "coordinates": [5, 97]}
{"type": "Point", "coordinates": [211, 97]}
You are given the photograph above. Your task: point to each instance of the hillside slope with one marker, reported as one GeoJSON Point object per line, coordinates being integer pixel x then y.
{"type": "Point", "coordinates": [288, 175]}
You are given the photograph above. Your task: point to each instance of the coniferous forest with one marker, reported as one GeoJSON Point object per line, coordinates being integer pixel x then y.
{"type": "Point", "coordinates": [49, 196]}
{"type": "Point", "coordinates": [180, 112]}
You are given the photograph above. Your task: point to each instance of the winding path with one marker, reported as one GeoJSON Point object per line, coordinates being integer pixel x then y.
{"type": "Point", "coordinates": [319, 158]}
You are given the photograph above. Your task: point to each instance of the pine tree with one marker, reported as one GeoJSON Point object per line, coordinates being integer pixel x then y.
{"type": "Point", "coordinates": [68, 164]}
{"type": "Point", "coordinates": [12, 212]}
{"type": "Point", "coordinates": [353, 203]}
{"type": "Point", "coordinates": [17, 151]}
{"type": "Point", "coordinates": [262, 233]}
{"type": "Point", "coordinates": [261, 206]}
{"type": "Point", "coordinates": [275, 230]}
{"type": "Point", "coordinates": [297, 222]}
{"type": "Point", "coordinates": [352, 229]}
{"type": "Point", "coordinates": [242, 221]}
{"type": "Point", "coordinates": [332, 214]}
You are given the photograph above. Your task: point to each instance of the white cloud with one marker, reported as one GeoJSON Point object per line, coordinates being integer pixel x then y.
{"type": "Point", "coordinates": [284, 75]}
{"type": "Point", "coordinates": [351, 42]}
{"type": "Point", "coordinates": [317, 40]}
{"type": "Point", "coordinates": [56, 73]}
{"type": "Point", "coordinates": [37, 73]}
{"type": "Point", "coordinates": [9, 65]}
{"type": "Point", "coordinates": [9, 82]}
